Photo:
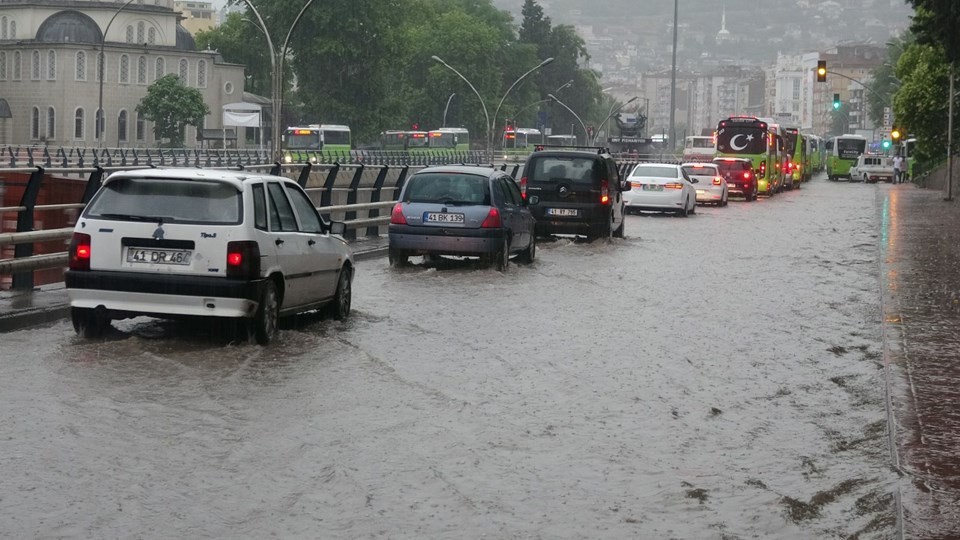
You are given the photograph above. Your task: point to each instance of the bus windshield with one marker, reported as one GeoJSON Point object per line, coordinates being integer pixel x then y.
{"type": "Point", "coordinates": [512, 139]}
{"type": "Point", "coordinates": [790, 139]}
{"type": "Point", "coordinates": [699, 142]}
{"type": "Point", "coordinates": [439, 139]}
{"type": "Point", "coordinates": [336, 137]}
{"type": "Point", "coordinates": [850, 148]}
{"type": "Point", "coordinates": [302, 139]}
{"type": "Point", "coordinates": [741, 140]}
{"type": "Point", "coordinates": [417, 140]}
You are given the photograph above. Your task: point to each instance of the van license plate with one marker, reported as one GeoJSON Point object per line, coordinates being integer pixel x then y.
{"type": "Point", "coordinates": [442, 217]}
{"type": "Point", "coordinates": [568, 212]}
{"type": "Point", "coordinates": [158, 256]}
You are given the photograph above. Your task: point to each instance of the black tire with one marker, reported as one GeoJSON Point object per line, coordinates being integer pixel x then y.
{"type": "Point", "coordinates": [501, 261]}
{"type": "Point", "coordinates": [397, 257]}
{"type": "Point", "coordinates": [87, 323]}
{"type": "Point", "coordinates": [266, 320]}
{"type": "Point", "coordinates": [528, 255]}
{"type": "Point", "coordinates": [683, 212]}
{"type": "Point", "coordinates": [619, 231]}
{"type": "Point", "coordinates": [339, 307]}
{"type": "Point", "coordinates": [693, 210]}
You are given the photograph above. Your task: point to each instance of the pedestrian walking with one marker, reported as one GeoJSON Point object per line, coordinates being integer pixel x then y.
{"type": "Point", "coordinates": [898, 169]}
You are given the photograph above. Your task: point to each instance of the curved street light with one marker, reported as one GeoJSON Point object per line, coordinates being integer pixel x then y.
{"type": "Point", "coordinates": [507, 93]}
{"type": "Point", "coordinates": [276, 68]}
{"type": "Point", "coordinates": [613, 111]}
{"type": "Point", "coordinates": [482, 104]}
{"type": "Point", "coordinates": [100, 118]}
{"type": "Point", "coordinates": [564, 85]}
{"type": "Point", "coordinates": [586, 136]}
{"type": "Point", "coordinates": [449, 99]}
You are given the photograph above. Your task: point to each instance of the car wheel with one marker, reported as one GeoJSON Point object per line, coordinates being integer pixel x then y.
{"type": "Point", "coordinates": [502, 259]}
{"type": "Point", "coordinates": [87, 323]}
{"type": "Point", "coordinates": [268, 313]}
{"type": "Point", "coordinates": [683, 212]}
{"type": "Point", "coordinates": [397, 257]}
{"type": "Point", "coordinates": [693, 209]}
{"type": "Point", "coordinates": [339, 307]}
{"type": "Point", "coordinates": [619, 232]}
{"type": "Point", "coordinates": [529, 254]}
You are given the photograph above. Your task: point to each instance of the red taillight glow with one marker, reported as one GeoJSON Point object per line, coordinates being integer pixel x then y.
{"type": "Point", "coordinates": [716, 180]}
{"type": "Point", "coordinates": [80, 252]}
{"type": "Point", "coordinates": [746, 175]}
{"type": "Point", "coordinates": [243, 259]}
{"type": "Point", "coordinates": [493, 220]}
{"type": "Point", "coordinates": [397, 217]}
{"type": "Point", "coordinates": [234, 259]}
{"type": "Point", "coordinates": [673, 186]}
{"type": "Point", "coordinates": [604, 192]}
{"type": "Point", "coordinates": [523, 187]}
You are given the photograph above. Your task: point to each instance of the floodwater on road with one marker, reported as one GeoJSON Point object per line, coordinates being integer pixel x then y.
{"type": "Point", "coordinates": [717, 376]}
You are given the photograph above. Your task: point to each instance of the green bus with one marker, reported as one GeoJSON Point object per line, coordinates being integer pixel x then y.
{"type": "Point", "coordinates": [393, 140]}
{"type": "Point", "coordinates": [518, 143]}
{"type": "Point", "coordinates": [309, 143]}
{"type": "Point", "coordinates": [757, 140]}
{"type": "Point", "coordinates": [814, 154]}
{"type": "Point", "coordinates": [796, 158]}
{"type": "Point", "coordinates": [909, 154]}
{"type": "Point", "coordinates": [842, 152]}
{"type": "Point", "coordinates": [452, 139]}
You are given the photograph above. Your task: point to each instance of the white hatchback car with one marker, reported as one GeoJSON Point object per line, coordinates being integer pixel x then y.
{"type": "Point", "coordinates": [660, 187]}
{"type": "Point", "coordinates": [711, 187]}
{"type": "Point", "coordinates": [189, 242]}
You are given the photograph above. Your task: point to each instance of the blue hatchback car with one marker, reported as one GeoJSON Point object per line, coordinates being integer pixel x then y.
{"type": "Point", "coordinates": [462, 211]}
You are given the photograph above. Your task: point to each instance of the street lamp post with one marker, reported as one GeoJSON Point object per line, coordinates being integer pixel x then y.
{"type": "Point", "coordinates": [586, 136]}
{"type": "Point", "coordinates": [449, 99]}
{"type": "Point", "coordinates": [99, 117]}
{"type": "Point", "coordinates": [564, 85]}
{"type": "Point", "coordinates": [673, 76]}
{"type": "Point", "coordinates": [613, 111]}
{"type": "Point", "coordinates": [486, 116]}
{"type": "Point", "coordinates": [507, 93]}
{"type": "Point", "coordinates": [276, 68]}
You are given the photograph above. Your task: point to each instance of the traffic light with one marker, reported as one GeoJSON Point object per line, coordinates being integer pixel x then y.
{"type": "Point", "coordinates": [836, 101]}
{"type": "Point", "coordinates": [886, 144]}
{"type": "Point", "coordinates": [895, 134]}
{"type": "Point", "coordinates": [415, 126]}
{"type": "Point", "coordinates": [821, 71]}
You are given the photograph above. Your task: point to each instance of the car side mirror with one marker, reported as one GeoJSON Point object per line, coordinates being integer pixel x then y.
{"type": "Point", "coordinates": [338, 227]}
{"type": "Point", "coordinates": [694, 181]}
{"type": "Point", "coordinates": [626, 185]}
{"type": "Point", "coordinates": [533, 200]}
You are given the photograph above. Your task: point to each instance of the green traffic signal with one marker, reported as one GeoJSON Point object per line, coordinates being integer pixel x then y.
{"type": "Point", "coordinates": [886, 145]}
{"type": "Point", "coordinates": [836, 101]}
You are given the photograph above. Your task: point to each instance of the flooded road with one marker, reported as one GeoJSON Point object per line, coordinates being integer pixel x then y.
{"type": "Point", "coordinates": [718, 376]}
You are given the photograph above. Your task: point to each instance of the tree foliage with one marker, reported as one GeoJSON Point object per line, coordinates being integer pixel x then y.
{"type": "Point", "coordinates": [240, 41]}
{"type": "Point", "coordinates": [172, 106]}
{"type": "Point", "coordinates": [920, 105]}
{"type": "Point", "coordinates": [935, 23]}
{"type": "Point", "coordinates": [884, 83]}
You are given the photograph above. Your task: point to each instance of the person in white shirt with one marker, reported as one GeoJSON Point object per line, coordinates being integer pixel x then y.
{"type": "Point", "coordinates": [898, 169]}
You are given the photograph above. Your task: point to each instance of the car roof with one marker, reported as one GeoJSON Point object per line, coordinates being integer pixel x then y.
{"type": "Point", "coordinates": [461, 169]}
{"type": "Point", "coordinates": [234, 178]}
{"type": "Point", "coordinates": [698, 164]}
{"type": "Point", "coordinates": [569, 154]}
{"type": "Point", "coordinates": [655, 164]}
{"type": "Point", "coordinates": [731, 159]}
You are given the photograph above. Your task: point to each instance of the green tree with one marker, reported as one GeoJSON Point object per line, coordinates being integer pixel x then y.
{"type": "Point", "coordinates": [241, 42]}
{"type": "Point", "coordinates": [172, 106]}
{"type": "Point", "coordinates": [935, 22]}
{"type": "Point", "coordinates": [920, 106]}
{"type": "Point", "coordinates": [884, 83]}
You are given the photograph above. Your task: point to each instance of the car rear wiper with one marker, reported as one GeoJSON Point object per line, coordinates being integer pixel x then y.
{"type": "Point", "coordinates": [134, 217]}
{"type": "Point", "coordinates": [457, 203]}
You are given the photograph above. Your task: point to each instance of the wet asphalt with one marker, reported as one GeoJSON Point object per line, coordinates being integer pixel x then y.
{"type": "Point", "coordinates": [717, 376]}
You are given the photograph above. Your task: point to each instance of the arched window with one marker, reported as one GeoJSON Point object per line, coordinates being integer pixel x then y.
{"type": "Point", "coordinates": [3, 27]}
{"type": "Point", "coordinates": [142, 70]}
{"type": "Point", "coordinates": [158, 68]}
{"type": "Point", "coordinates": [35, 66]}
{"type": "Point", "coordinates": [81, 74]}
{"type": "Point", "coordinates": [78, 124]}
{"type": "Point", "coordinates": [3, 65]}
{"type": "Point", "coordinates": [152, 35]}
{"type": "Point", "coordinates": [140, 33]}
{"type": "Point", "coordinates": [122, 126]}
{"type": "Point", "coordinates": [184, 67]}
{"type": "Point", "coordinates": [51, 65]}
{"type": "Point", "coordinates": [202, 74]}
{"type": "Point", "coordinates": [17, 66]}
{"type": "Point", "coordinates": [130, 34]}
{"type": "Point", "coordinates": [13, 29]}
{"type": "Point", "coordinates": [35, 123]}
{"type": "Point", "coordinates": [124, 68]}
{"type": "Point", "coordinates": [98, 123]}
{"type": "Point", "coordinates": [141, 132]}
{"type": "Point", "coordinates": [51, 123]}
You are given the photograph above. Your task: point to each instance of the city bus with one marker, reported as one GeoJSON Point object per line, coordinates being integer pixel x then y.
{"type": "Point", "coordinates": [417, 142]}
{"type": "Point", "coordinates": [518, 143]}
{"type": "Point", "coordinates": [455, 139]}
{"type": "Point", "coordinates": [814, 154]}
{"type": "Point", "coordinates": [699, 148]}
{"type": "Point", "coordinates": [561, 140]}
{"type": "Point", "coordinates": [757, 140]}
{"type": "Point", "coordinates": [842, 153]}
{"type": "Point", "coordinates": [909, 155]}
{"type": "Point", "coordinates": [306, 143]}
{"type": "Point", "coordinates": [393, 140]}
{"type": "Point", "coordinates": [796, 159]}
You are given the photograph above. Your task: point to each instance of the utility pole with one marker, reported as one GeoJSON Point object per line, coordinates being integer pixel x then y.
{"type": "Point", "coordinates": [673, 77]}
{"type": "Point", "coordinates": [949, 196]}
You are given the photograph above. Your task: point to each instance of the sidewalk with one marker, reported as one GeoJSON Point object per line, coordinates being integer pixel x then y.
{"type": "Point", "coordinates": [48, 303]}
{"type": "Point", "coordinates": [920, 285]}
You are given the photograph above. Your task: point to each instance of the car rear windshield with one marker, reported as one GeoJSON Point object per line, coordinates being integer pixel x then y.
{"type": "Point", "coordinates": [659, 172]}
{"type": "Point", "coordinates": [733, 166]}
{"type": "Point", "coordinates": [169, 200]}
{"type": "Point", "coordinates": [706, 170]}
{"type": "Point", "coordinates": [448, 188]}
{"type": "Point", "coordinates": [564, 169]}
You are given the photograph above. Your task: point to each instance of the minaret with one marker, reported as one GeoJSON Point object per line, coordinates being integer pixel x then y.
{"type": "Point", "coordinates": [723, 34]}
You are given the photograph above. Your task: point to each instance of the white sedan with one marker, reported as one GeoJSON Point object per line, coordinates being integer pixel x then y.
{"type": "Point", "coordinates": [710, 185]}
{"type": "Point", "coordinates": [660, 187]}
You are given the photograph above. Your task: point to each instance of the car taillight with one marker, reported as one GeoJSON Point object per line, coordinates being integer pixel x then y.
{"type": "Point", "coordinates": [80, 252]}
{"type": "Point", "coordinates": [763, 168]}
{"type": "Point", "coordinates": [604, 192]}
{"type": "Point", "coordinates": [673, 186]}
{"type": "Point", "coordinates": [746, 175]}
{"type": "Point", "coordinates": [493, 220]}
{"type": "Point", "coordinates": [523, 187]}
{"type": "Point", "coordinates": [396, 217]}
{"type": "Point", "coordinates": [796, 166]}
{"type": "Point", "coordinates": [243, 259]}
{"type": "Point", "coordinates": [717, 180]}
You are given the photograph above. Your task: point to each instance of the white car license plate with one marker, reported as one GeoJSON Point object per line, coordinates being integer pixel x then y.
{"type": "Point", "coordinates": [158, 256]}
{"type": "Point", "coordinates": [701, 192]}
{"type": "Point", "coordinates": [442, 217]}
{"type": "Point", "coordinates": [652, 187]}
{"type": "Point", "coordinates": [562, 212]}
